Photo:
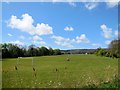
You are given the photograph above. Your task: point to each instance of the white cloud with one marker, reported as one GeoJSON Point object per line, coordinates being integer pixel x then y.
{"type": "Point", "coordinates": [17, 42]}
{"type": "Point", "coordinates": [112, 3]}
{"type": "Point", "coordinates": [54, 1]}
{"type": "Point", "coordinates": [94, 3]}
{"type": "Point", "coordinates": [107, 42]}
{"type": "Point", "coordinates": [117, 34]}
{"type": "Point", "coordinates": [36, 38]}
{"type": "Point", "coordinates": [58, 38]}
{"type": "Point", "coordinates": [91, 5]}
{"type": "Point", "coordinates": [107, 32]}
{"type": "Point", "coordinates": [22, 37]}
{"type": "Point", "coordinates": [96, 44]}
{"type": "Point", "coordinates": [43, 29]}
{"type": "Point", "coordinates": [68, 28]}
{"type": "Point", "coordinates": [63, 41]}
{"type": "Point", "coordinates": [69, 42]}
{"type": "Point", "coordinates": [39, 42]}
{"type": "Point", "coordinates": [82, 39]}
{"type": "Point", "coordinates": [25, 24]}
{"type": "Point", "coordinates": [42, 42]}
{"type": "Point", "coordinates": [7, 1]}
{"type": "Point", "coordinates": [10, 35]}
{"type": "Point", "coordinates": [72, 4]}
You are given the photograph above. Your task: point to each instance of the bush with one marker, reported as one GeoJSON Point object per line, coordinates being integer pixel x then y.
{"type": "Point", "coordinates": [107, 53]}
{"type": "Point", "coordinates": [57, 52]}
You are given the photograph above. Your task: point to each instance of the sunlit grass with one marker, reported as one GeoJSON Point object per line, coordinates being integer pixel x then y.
{"type": "Point", "coordinates": [57, 72]}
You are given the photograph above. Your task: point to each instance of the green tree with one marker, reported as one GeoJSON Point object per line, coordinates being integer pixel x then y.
{"type": "Point", "coordinates": [5, 53]}
{"type": "Point", "coordinates": [14, 51]}
{"type": "Point", "coordinates": [32, 51]}
{"type": "Point", "coordinates": [51, 51]}
{"type": "Point", "coordinates": [114, 47]}
{"type": "Point", "coordinates": [57, 52]}
{"type": "Point", "coordinates": [44, 51]}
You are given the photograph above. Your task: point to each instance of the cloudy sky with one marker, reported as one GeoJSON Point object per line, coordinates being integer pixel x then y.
{"type": "Point", "coordinates": [65, 25]}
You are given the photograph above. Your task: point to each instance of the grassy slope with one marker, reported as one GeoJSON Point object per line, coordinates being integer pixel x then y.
{"type": "Point", "coordinates": [77, 72]}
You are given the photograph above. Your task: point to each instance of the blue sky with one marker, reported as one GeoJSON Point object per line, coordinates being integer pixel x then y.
{"type": "Point", "coordinates": [60, 25]}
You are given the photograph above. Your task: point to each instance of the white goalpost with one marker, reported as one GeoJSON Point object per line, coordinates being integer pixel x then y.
{"type": "Point", "coordinates": [32, 62]}
{"type": "Point", "coordinates": [18, 60]}
{"type": "Point", "coordinates": [69, 56]}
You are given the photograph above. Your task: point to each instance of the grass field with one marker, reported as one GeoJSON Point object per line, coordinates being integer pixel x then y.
{"type": "Point", "coordinates": [0, 74]}
{"type": "Point", "coordinates": [57, 72]}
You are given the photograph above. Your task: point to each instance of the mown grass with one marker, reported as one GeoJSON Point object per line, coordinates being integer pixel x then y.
{"type": "Point", "coordinates": [57, 72]}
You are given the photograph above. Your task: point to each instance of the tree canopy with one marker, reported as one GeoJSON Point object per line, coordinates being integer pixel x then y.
{"type": "Point", "coordinates": [112, 51]}
{"type": "Point", "coordinates": [14, 51]}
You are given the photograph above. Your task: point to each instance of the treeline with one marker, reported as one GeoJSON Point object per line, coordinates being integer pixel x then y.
{"type": "Point", "coordinates": [79, 51]}
{"type": "Point", "coordinates": [14, 51]}
{"type": "Point", "coordinates": [113, 50]}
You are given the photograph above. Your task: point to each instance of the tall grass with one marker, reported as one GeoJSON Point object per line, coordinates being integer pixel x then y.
{"type": "Point", "coordinates": [34, 74]}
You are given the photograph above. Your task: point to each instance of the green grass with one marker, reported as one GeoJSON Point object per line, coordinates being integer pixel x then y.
{"type": "Point", "coordinates": [0, 74]}
{"type": "Point", "coordinates": [78, 72]}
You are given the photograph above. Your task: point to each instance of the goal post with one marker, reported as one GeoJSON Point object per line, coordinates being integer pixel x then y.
{"type": "Point", "coordinates": [18, 59]}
